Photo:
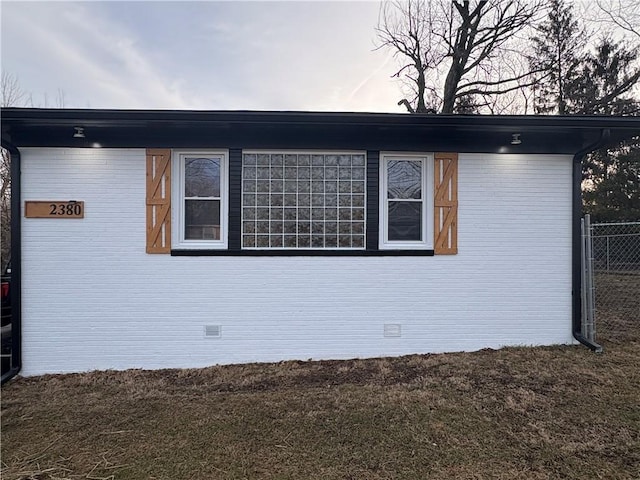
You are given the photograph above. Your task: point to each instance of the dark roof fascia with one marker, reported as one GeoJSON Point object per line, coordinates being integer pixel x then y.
{"type": "Point", "coordinates": [107, 117]}
{"type": "Point", "coordinates": [42, 127]}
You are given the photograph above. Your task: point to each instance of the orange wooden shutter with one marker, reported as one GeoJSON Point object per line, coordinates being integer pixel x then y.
{"type": "Point", "coordinates": [158, 200]}
{"type": "Point", "coordinates": [446, 204]}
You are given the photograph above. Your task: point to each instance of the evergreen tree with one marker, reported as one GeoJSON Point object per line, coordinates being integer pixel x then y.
{"type": "Point", "coordinates": [557, 56]}
{"type": "Point", "coordinates": [612, 188]}
{"type": "Point", "coordinates": [605, 80]}
{"type": "Point", "coordinates": [612, 177]}
{"type": "Point", "coordinates": [597, 82]}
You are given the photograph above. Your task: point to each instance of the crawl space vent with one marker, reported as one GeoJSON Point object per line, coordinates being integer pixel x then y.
{"type": "Point", "coordinates": [212, 331]}
{"type": "Point", "coordinates": [392, 330]}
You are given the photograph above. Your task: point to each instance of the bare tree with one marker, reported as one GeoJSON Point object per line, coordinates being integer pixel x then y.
{"type": "Point", "coordinates": [625, 14]}
{"type": "Point", "coordinates": [407, 28]}
{"type": "Point", "coordinates": [5, 207]}
{"type": "Point", "coordinates": [454, 53]}
{"type": "Point", "coordinates": [12, 94]}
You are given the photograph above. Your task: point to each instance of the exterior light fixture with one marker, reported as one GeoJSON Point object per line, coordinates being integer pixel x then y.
{"type": "Point", "coordinates": [79, 132]}
{"type": "Point", "coordinates": [515, 139]}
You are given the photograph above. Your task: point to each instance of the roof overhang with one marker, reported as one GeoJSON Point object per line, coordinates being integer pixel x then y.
{"type": "Point", "coordinates": [261, 129]}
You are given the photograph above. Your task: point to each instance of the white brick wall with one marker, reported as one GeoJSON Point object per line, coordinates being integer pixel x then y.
{"type": "Point", "coordinates": [93, 299]}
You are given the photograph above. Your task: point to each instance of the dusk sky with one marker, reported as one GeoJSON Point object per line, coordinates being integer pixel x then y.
{"type": "Point", "coordinates": [200, 55]}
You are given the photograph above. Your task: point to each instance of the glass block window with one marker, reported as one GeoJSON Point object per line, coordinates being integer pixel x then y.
{"type": "Point", "coordinates": [303, 200]}
{"type": "Point", "coordinates": [406, 206]}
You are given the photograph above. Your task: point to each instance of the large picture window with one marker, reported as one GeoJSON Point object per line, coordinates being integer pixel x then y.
{"type": "Point", "coordinates": [406, 205]}
{"type": "Point", "coordinates": [303, 200]}
{"type": "Point", "coordinates": [201, 199]}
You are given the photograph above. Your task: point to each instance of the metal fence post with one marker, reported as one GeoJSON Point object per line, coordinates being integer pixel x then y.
{"type": "Point", "coordinates": [590, 300]}
{"type": "Point", "coordinates": [583, 280]}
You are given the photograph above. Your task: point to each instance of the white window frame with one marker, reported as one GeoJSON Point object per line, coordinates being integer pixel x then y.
{"type": "Point", "coordinates": [427, 203]}
{"type": "Point", "coordinates": [178, 239]}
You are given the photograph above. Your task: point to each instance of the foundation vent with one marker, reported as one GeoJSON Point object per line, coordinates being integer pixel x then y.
{"type": "Point", "coordinates": [212, 331]}
{"type": "Point", "coordinates": [392, 330]}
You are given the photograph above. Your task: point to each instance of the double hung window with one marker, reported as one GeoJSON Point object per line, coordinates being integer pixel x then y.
{"type": "Point", "coordinates": [406, 201]}
{"type": "Point", "coordinates": [201, 199]}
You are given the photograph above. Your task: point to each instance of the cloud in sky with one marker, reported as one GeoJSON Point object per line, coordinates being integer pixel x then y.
{"type": "Point", "coordinates": [201, 55]}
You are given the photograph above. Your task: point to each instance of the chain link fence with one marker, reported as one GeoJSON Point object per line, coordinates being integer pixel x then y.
{"type": "Point", "coordinates": [616, 274]}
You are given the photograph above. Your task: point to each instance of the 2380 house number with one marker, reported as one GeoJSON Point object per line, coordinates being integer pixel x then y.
{"type": "Point", "coordinates": [53, 209]}
{"type": "Point", "coordinates": [65, 209]}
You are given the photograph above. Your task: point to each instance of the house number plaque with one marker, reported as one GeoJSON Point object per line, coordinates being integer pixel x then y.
{"type": "Point", "coordinates": [54, 209]}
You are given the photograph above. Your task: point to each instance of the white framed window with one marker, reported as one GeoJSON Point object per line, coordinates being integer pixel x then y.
{"type": "Point", "coordinates": [303, 200]}
{"type": "Point", "coordinates": [406, 201]}
{"type": "Point", "coordinates": [200, 199]}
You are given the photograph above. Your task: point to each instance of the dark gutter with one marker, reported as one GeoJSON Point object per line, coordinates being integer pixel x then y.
{"type": "Point", "coordinates": [34, 117]}
{"type": "Point", "coordinates": [16, 265]}
{"type": "Point", "coordinates": [605, 134]}
{"type": "Point", "coordinates": [105, 117]}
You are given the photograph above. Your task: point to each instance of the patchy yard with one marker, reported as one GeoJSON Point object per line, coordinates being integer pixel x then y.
{"type": "Point", "coordinates": [617, 306]}
{"type": "Point", "coordinates": [535, 413]}
{"type": "Point", "coordinates": [558, 412]}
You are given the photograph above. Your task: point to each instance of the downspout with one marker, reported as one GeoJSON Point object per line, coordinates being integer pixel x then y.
{"type": "Point", "coordinates": [576, 280]}
{"type": "Point", "coordinates": [16, 266]}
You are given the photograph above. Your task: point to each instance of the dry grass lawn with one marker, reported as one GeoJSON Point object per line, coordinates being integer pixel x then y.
{"type": "Point", "coordinates": [535, 413]}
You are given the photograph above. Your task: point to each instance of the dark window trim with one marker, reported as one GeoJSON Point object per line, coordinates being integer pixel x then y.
{"type": "Point", "coordinates": [301, 253]}
{"type": "Point", "coordinates": [372, 207]}
{"type": "Point", "coordinates": [235, 198]}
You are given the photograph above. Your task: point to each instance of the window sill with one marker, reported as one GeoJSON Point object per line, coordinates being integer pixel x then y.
{"type": "Point", "coordinates": [301, 253]}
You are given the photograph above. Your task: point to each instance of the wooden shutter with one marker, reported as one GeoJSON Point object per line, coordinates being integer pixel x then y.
{"type": "Point", "coordinates": [446, 204]}
{"type": "Point", "coordinates": [158, 200]}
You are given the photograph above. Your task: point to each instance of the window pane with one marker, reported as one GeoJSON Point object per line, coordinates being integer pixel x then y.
{"type": "Point", "coordinates": [317, 241]}
{"type": "Point", "coordinates": [202, 177]}
{"type": "Point", "coordinates": [357, 159]}
{"type": "Point", "coordinates": [290, 241]}
{"type": "Point", "coordinates": [276, 241]}
{"type": "Point", "coordinates": [202, 220]}
{"type": "Point", "coordinates": [249, 173]}
{"type": "Point", "coordinates": [405, 221]}
{"type": "Point", "coordinates": [404, 179]}
{"type": "Point", "coordinates": [304, 241]}
{"type": "Point", "coordinates": [249, 186]}
{"type": "Point", "coordinates": [248, 241]}
{"type": "Point", "coordinates": [291, 160]}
